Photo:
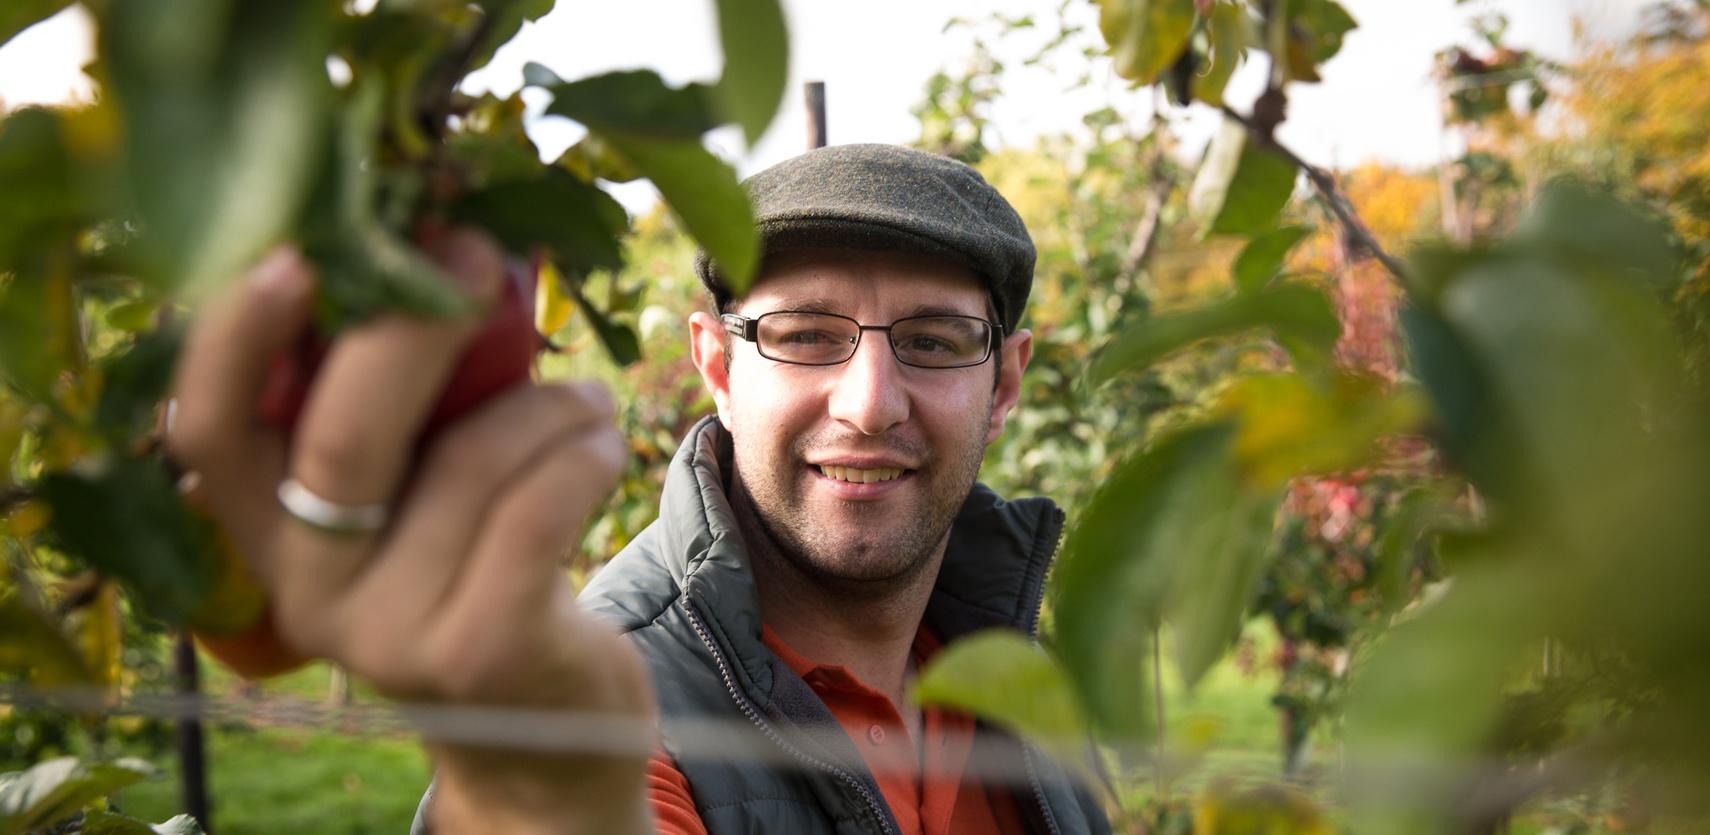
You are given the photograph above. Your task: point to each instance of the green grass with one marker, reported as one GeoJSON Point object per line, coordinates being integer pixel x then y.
{"type": "Point", "coordinates": [292, 780]}
{"type": "Point", "coordinates": [289, 781]}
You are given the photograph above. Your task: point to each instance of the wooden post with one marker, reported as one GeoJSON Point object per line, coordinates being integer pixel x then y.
{"type": "Point", "coordinates": [187, 732]}
{"type": "Point", "coordinates": [816, 114]}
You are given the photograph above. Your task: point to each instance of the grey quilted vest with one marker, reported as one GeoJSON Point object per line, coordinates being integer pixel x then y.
{"type": "Point", "coordinates": [682, 590]}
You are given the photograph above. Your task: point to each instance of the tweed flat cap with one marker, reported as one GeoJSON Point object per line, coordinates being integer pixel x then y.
{"type": "Point", "coordinates": [890, 198]}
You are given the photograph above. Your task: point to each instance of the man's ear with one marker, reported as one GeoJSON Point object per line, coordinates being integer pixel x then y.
{"type": "Point", "coordinates": [1017, 349]}
{"type": "Point", "coordinates": [707, 341]}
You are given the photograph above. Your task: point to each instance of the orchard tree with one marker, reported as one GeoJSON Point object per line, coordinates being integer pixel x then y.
{"type": "Point", "coordinates": [222, 129]}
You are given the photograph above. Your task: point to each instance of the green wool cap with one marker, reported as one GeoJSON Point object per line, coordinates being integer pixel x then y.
{"type": "Point", "coordinates": [890, 198]}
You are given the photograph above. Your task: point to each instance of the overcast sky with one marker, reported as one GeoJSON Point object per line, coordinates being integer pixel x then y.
{"type": "Point", "coordinates": [1376, 102]}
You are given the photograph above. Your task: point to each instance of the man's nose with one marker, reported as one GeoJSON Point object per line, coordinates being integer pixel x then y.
{"type": "Point", "coordinates": [868, 394]}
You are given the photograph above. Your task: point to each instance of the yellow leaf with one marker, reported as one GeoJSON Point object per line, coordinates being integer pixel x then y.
{"type": "Point", "coordinates": [552, 306]}
{"type": "Point", "coordinates": [236, 601]}
{"type": "Point", "coordinates": [1291, 425]}
{"type": "Point", "coordinates": [97, 633]}
{"type": "Point", "coordinates": [1262, 810]}
{"type": "Point", "coordinates": [25, 519]}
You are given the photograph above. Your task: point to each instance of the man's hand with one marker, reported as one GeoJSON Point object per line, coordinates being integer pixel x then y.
{"type": "Point", "coordinates": [460, 598]}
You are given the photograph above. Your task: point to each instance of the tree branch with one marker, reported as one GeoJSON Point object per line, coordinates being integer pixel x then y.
{"type": "Point", "coordinates": [1332, 197]}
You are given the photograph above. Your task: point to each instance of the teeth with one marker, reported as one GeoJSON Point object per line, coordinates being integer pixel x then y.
{"type": "Point", "coordinates": [858, 476]}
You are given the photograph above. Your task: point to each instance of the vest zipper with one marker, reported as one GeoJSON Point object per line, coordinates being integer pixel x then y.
{"type": "Point", "coordinates": [1033, 632]}
{"type": "Point", "coordinates": [753, 713]}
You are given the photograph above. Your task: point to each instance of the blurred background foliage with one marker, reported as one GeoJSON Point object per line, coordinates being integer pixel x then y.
{"type": "Point", "coordinates": [1493, 606]}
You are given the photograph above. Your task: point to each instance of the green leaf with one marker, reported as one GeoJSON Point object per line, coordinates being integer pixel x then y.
{"type": "Point", "coordinates": [1226, 527]}
{"type": "Point", "coordinates": [506, 19]}
{"type": "Point", "coordinates": [703, 192]}
{"type": "Point", "coordinates": [1262, 258]}
{"type": "Point", "coordinates": [1293, 425]}
{"type": "Point", "coordinates": [46, 198]}
{"type": "Point", "coordinates": [1001, 676]}
{"type": "Point", "coordinates": [18, 15]}
{"type": "Point", "coordinates": [366, 268]}
{"type": "Point", "coordinates": [221, 105]}
{"type": "Point", "coordinates": [756, 63]}
{"type": "Point", "coordinates": [134, 381]}
{"type": "Point", "coordinates": [619, 340]}
{"type": "Point", "coordinates": [56, 789]}
{"type": "Point", "coordinates": [1574, 222]}
{"type": "Point", "coordinates": [40, 331]}
{"type": "Point", "coordinates": [633, 103]}
{"type": "Point", "coordinates": [32, 644]}
{"type": "Point", "coordinates": [1228, 30]}
{"type": "Point", "coordinates": [1111, 584]}
{"type": "Point", "coordinates": [1240, 188]}
{"type": "Point", "coordinates": [1145, 36]}
{"type": "Point", "coordinates": [1321, 25]}
{"type": "Point", "coordinates": [110, 823]}
{"type": "Point", "coordinates": [1302, 315]}
{"type": "Point", "coordinates": [578, 224]}
{"type": "Point", "coordinates": [125, 518]}
{"type": "Point", "coordinates": [592, 158]}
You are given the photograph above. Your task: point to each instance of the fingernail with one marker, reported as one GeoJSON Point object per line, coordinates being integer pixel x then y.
{"type": "Point", "coordinates": [282, 267]}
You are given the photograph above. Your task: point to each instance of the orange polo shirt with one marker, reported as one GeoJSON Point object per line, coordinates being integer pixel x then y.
{"type": "Point", "coordinates": [939, 802]}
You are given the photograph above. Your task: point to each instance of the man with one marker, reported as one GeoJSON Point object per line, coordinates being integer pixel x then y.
{"type": "Point", "coordinates": [816, 541]}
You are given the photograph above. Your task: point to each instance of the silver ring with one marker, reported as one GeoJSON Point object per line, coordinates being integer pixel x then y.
{"type": "Point", "coordinates": [330, 517]}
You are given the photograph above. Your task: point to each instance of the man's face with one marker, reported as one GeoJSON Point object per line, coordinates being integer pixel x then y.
{"type": "Point", "coordinates": [809, 440]}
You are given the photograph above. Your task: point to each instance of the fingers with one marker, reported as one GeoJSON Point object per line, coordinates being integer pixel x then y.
{"type": "Point", "coordinates": [517, 560]}
{"type": "Point", "coordinates": [365, 410]}
{"type": "Point", "coordinates": [225, 360]}
{"type": "Point", "coordinates": [373, 393]}
{"type": "Point", "coordinates": [482, 458]}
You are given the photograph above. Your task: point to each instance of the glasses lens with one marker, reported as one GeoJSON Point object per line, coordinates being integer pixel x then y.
{"type": "Point", "coordinates": [807, 338]}
{"type": "Point", "coordinates": [942, 341]}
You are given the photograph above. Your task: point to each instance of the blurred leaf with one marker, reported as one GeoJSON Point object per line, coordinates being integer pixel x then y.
{"type": "Point", "coordinates": [1145, 36]}
{"type": "Point", "coordinates": [1299, 312]}
{"type": "Point", "coordinates": [1291, 425]}
{"type": "Point", "coordinates": [1111, 583]}
{"type": "Point", "coordinates": [222, 105]}
{"type": "Point", "coordinates": [703, 192]}
{"type": "Point", "coordinates": [577, 223]}
{"type": "Point", "coordinates": [1572, 221]}
{"type": "Point", "coordinates": [1240, 188]}
{"type": "Point", "coordinates": [620, 340]}
{"type": "Point", "coordinates": [48, 197]}
{"type": "Point", "coordinates": [756, 63]}
{"type": "Point", "coordinates": [134, 382]}
{"type": "Point", "coordinates": [98, 632]}
{"type": "Point", "coordinates": [1228, 30]}
{"type": "Point", "coordinates": [97, 822]}
{"type": "Point", "coordinates": [505, 20]}
{"type": "Point", "coordinates": [133, 317]}
{"type": "Point", "coordinates": [592, 158]}
{"type": "Point", "coordinates": [19, 15]}
{"type": "Point", "coordinates": [40, 331]}
{"type": "Point", "coordinates": [365, 268]}
{"type": "Point", "coordinates": [125, 519]}
{"type": "Point", "coordinates": [51, 791]}
{"type": "Point", "coordinates": [1315, 32]}
{"type": "Point", "coordinates": [1263, 257]}
{"type": "Point", "coordinates": [32, 644]}
{"type": "Point", "coordinates": [632, 103]}
{"type": "Point", "coordinates": [1002, 677]}
{"type": "Point", "coordinates": [1215, 535]}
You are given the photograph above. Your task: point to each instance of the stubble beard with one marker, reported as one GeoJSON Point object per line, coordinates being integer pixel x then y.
{"type": "Point", "coordinates": [880, 553]}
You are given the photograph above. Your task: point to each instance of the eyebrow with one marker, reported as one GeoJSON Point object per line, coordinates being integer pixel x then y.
{"type": "Point", "coordinates": [828, 306]}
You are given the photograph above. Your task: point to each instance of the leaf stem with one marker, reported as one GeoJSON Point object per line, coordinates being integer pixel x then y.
{"type": "Point", "coordinates": [1331, 195]}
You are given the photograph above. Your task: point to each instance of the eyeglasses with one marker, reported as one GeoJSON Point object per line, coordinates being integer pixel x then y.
{"type": "Point", "coordinates": [801, 338]}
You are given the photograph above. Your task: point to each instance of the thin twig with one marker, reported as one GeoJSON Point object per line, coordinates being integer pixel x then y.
{"type": "Point", "coordinates": [1332, 196]}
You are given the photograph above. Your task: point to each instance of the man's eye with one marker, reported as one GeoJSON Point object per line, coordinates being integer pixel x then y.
{"type": "Point", "coordinates": [808, 337]}
{"type": "Point", "coordinates": [928, 344]}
